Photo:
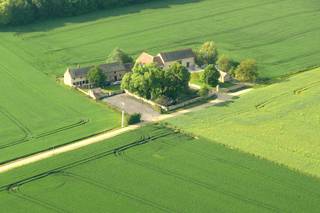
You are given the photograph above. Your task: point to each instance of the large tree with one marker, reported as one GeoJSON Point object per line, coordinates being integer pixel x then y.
{"type": "Point", "coordinates": [177, 79]}
{"type": "Point", "coordinates": [118, 55]}
{"type": "Point", "coordinates": [210, 76]}
{"type": "Point", "coordinates": [152, 82]}
{"type": "Point", "coordinates": [207, 54]}
{"type": "Point", "coordinates": [96, 77]}
{"type": "Point", "coordinates": [247, 71]}
{"type": "Point", "coordinates": [224, 63]}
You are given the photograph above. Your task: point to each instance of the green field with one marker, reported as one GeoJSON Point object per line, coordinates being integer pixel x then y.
{"type": "Point", "coordinates": [155, 169]}
{"type": "Point", "coordinates": [283, 36]}
{"type": "Point", "coordinates": [37, 113]}
{"type": "Point", "coordinates": [280, 122]}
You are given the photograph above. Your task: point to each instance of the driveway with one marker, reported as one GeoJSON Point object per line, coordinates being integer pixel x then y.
{"type": "Point", "coordinates": [132, 105]}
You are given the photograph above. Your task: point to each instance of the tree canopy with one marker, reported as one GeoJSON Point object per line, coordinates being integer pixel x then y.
{"type": "Point", "coordinates": [207, 54]}
{"type": "Point", "coordinates": [152, 82]}
{"type": "Point", "coordinates": [15, 12]}
{"type": "Point", "coordinates": [118, 55]}
{"type": "Point", "coordinates": [247, 71]}
{"type": "Point", "coordinates": [210, 76]}
{"type": "Point", "coordinates": [96, 77]}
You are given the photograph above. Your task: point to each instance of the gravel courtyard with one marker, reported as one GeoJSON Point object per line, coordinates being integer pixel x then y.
{"type": "Point", "coordinates": [132, 105]}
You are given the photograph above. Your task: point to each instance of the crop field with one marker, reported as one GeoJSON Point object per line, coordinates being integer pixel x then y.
{"type": "Point", "coordinates": [283, 36]}
{"type": "Point", "coordinates": [36, 113]}
{"type": "Point", "coordinates": [156, 169]}
{"type": "Point", "coordinates": [280, 122]}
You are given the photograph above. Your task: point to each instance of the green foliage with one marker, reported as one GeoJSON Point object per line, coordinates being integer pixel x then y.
{"type": "Point", "coordinates": [176, 80]}
{"type": "Point", "coordinates": [204, 91]}
{"type": "Point", "coordinates": [96, 77]}
{"type": "Point", "coordinates": [134, 119]}
{"type": "Point", "coordinates": [118, 55]}
{"type": "Point", "coordinates": [210, 76]}
{"type": "Point", "coordinates": [152, 82]}
{"type": "Point", "coordinates": [247, 71]}
{"type": "Point", "coordinates": [207, 54]}
{"type": "Point", "coordinates": [16, 12]}
{"type": "Point", "coordinates": [225, 63]}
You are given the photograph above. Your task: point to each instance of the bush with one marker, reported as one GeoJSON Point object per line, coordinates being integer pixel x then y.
{"type": "Point", "coordinates": [203, 92]}
{"type": "Point", "coordinates": [210, 76]}
{"type": "Point", "coordinates": [164, 101]}
{"type": "Point", "coordinates": [134, 118]}
{"type": "Point", "coordinates": [247, 71]}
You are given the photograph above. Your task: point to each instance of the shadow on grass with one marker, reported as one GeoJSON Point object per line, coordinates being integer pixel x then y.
{"type": "Point", "coordinates": [46, 25]}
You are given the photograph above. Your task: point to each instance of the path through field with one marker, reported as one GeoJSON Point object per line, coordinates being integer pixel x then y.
{"type": "Point", "coordinates": [222, 98]}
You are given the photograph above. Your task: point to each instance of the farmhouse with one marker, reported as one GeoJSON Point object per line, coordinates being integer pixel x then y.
{"type": "Point", "coordinates": [77, 77]}
{"type": "Point", "coordinates": [164, 59]}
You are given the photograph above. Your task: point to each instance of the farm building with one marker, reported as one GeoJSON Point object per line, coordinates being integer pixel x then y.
{"type": "Point", "coordinates": [77, 77]}
{"type": "Point", "coordinates": [164, 59]}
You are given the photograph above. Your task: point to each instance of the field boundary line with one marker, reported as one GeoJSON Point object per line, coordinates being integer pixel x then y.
{"type": "Point", "coordinates": [222, 98]}
{"type": "Point", "coordinates": [70, 147]}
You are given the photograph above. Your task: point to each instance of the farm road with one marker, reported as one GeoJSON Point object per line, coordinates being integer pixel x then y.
{"type": "Point", "coordinates": [99, 138]}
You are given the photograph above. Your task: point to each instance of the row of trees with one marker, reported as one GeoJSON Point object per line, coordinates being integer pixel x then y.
{"type": "Point", "coordinates": [154, 83]}
{"type": "Point", "coordinates": [207, 56]}
{"type": "Point", "coordinates": [15, 12]}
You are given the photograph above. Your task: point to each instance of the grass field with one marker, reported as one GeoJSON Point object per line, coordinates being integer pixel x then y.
{"type": "Point", "coordinates": [155, 169]}
{"type": "Point", "coordinates": [280, 122]}
{"type": "Point", "coordinates": [281, 35]}
{"type": "Point", "coordinates": [37, 113]}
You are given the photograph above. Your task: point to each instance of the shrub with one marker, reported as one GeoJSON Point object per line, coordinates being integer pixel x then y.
{"type": "Point", "coordinates": [203, 92]}
{"type": "Point", "coordinates": [134, 118]}
{"type": "Point", "coordinates": [164, 101]}
{"type": "Point", "coordinates": [210, 76]}
{"type": "Point", "coordinates": [247, 71]}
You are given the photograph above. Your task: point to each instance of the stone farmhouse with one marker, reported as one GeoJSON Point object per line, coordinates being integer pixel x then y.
{"type": "Point", "coordinates": [186, 57]}
{"type": "Point", "coordinates": [164, 59]}
{"type": "Point", "coordinates": [77, 77]}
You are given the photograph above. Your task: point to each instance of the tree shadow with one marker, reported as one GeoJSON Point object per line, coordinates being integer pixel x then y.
{"type": "Point", "coordinates": [47, 25]}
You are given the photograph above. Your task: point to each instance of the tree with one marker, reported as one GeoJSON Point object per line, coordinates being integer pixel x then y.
{"type": "Point", "coordinates": [96, 77]}
{"type": "Point", "coordinates": [125, 82]}
{"type": "Point", "coordinates": [152, 82]}
{"type": "Point", "coordinates": [225, 63]}
{"type": "Point", "coordinates": [210, 76]}
{"type": "Point", "coordinates": [118, 55]}
{"type": "Point", "coordinates": [207, 54]}
{"type": "Point", "coordinates": [27, 11]}
{"type": "Point", "coordinates": [247, 70]}
{"type": "Point", "coordinates": [177, 79]}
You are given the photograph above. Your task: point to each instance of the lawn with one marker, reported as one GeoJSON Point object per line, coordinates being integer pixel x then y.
{"type": "Point", "coordinates": [279, 122]}
{"type": "Point", "coordinates": [37, 113]}
{"type": "Point", "coordinates": [155, 169]}
{"type": "Point", "coordinates": [283, 36]}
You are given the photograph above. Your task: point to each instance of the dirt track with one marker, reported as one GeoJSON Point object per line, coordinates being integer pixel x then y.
{"type": "Point", "coordinates": [99, 138]}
